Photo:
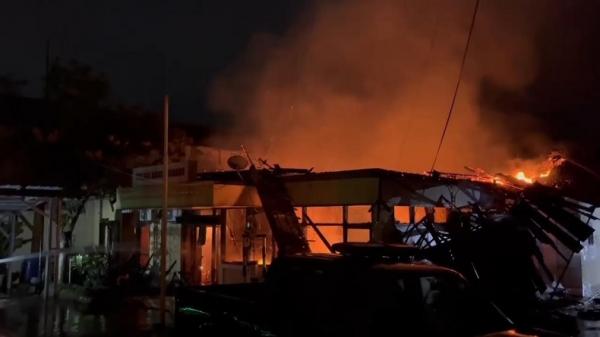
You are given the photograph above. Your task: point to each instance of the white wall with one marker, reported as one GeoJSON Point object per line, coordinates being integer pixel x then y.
{"type": "Point", "coordinates": [87, 229]}
{"type": "Point", "coordinates": [590, 260]}
{"type": "Point", "coordinates": [26, 248]}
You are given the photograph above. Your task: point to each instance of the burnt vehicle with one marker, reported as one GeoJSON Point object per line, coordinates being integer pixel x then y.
{"type": "Point", "coordinates": [368, 290]}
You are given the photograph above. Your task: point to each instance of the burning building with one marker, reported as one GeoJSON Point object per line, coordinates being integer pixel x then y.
{"type": "Point", "coordinates": [227, 226]}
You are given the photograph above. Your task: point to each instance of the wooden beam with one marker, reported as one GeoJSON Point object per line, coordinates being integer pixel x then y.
{"type": "Point", "coordinates": [25, 221]}
{"type": "Point", "coordinates": [319, 233]}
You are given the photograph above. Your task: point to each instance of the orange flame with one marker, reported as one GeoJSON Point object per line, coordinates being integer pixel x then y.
{"type": "Point", "coordinates": [530, 172]}
{"type": "Point", "coordinates": [522, 177]}
{"type": "Point", "coordinates": [530, 179]}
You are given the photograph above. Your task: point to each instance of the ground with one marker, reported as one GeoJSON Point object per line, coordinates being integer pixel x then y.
{"type": "Point", "coordinates": [28, 317]}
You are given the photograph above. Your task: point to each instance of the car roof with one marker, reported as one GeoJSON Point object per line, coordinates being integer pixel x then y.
{"type": "Point", "coordinates": [424, 269]}
{"type": "Point", "coordinates": [416, 268]}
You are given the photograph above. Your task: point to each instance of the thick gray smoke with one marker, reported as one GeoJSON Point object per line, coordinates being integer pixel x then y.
{"type": "Point", "coordinates": [359, 84]}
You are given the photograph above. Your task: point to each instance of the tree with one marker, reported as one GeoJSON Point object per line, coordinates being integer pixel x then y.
{"type": "Point", "coordinates": [77, 140]}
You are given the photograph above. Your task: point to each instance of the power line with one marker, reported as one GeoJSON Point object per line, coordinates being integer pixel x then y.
{"type": "Point", "coordinates": [462, 66]}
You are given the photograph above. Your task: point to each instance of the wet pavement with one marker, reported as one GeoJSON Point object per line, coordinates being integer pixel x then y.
{"type": "Point", "coordinates": [30, 317]}
{"type": "Point", "coordinates": [132, 317]}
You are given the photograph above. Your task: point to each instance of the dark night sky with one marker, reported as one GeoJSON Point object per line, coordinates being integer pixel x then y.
{"type": "Point", "coordinates": [128, 40]}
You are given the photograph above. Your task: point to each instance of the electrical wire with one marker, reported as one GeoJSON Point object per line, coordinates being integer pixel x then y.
{"type": "Point", "coordinates": [462, 66]}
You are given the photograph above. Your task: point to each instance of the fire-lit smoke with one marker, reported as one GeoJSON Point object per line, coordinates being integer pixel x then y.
{"type": "Point", "coordinates": [358, 84]}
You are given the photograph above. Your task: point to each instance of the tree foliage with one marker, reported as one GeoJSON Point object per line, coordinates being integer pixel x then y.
{"type": "Point", "coordinates": [77, 138]}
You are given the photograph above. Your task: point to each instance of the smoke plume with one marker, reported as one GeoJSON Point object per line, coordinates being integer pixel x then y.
{"type": "Point", "coordinates": [562, 100]}
{"type": "Point", "coordinates": [356, 84]}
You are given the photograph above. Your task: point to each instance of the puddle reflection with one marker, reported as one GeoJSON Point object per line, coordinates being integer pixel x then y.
{"type": "Point", "coordinates": [29, 317]}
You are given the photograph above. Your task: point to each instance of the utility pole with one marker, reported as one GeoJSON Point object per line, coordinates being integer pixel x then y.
{"type": "Point", "coordinates": [163, 228]}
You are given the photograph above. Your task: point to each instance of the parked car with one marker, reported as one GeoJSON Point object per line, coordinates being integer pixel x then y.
{"type": "Point", "coordinates": [342, 295]}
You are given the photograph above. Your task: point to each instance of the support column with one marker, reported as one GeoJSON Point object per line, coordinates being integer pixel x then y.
{"type": "Point", "coordinates": [11, 246]}
{"type": "Point", "coordinates": [48, 237]}
{"type": "Point", "coordinates": [13, 220]}
{"type": "Point", "coordinates": [345, 223]}
{"type": "Point", "coordinates": [383, 223]}
{"type": "Point", "coordinates": [60, 243]}
{"type": "Point", "coordinates": [37, 240]}
{"type": "Point", "coordinates": [222, 243]}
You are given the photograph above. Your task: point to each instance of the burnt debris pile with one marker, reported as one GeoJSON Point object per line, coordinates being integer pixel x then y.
{"type": "Point", "coordinates": [503, 250]}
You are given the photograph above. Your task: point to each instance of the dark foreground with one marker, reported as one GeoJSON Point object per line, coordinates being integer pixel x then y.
{"type": "Point", "coordinates": [29, 317]}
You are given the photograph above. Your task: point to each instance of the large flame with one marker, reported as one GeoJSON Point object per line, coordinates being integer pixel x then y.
{"type": "Point", "coordinates": [523, 177]}
{"type": "Point", "coordinates": [530, 178]}
{"type": "Point", "coordinates": [539, 171]}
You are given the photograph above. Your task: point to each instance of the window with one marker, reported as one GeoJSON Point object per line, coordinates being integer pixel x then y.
{"type": "Point", "coordinates": [440, 215]}
{"type": "Point", "coordinates": [329, 215]}
{"type": "Point", "coordinates": [333, 234]}
{"type": "Point", "coordinates": [402, 214]}
{"type": "Point", "coordinates": [359, 214]}
{"type": "Point", "coordinates": [359, 235]}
